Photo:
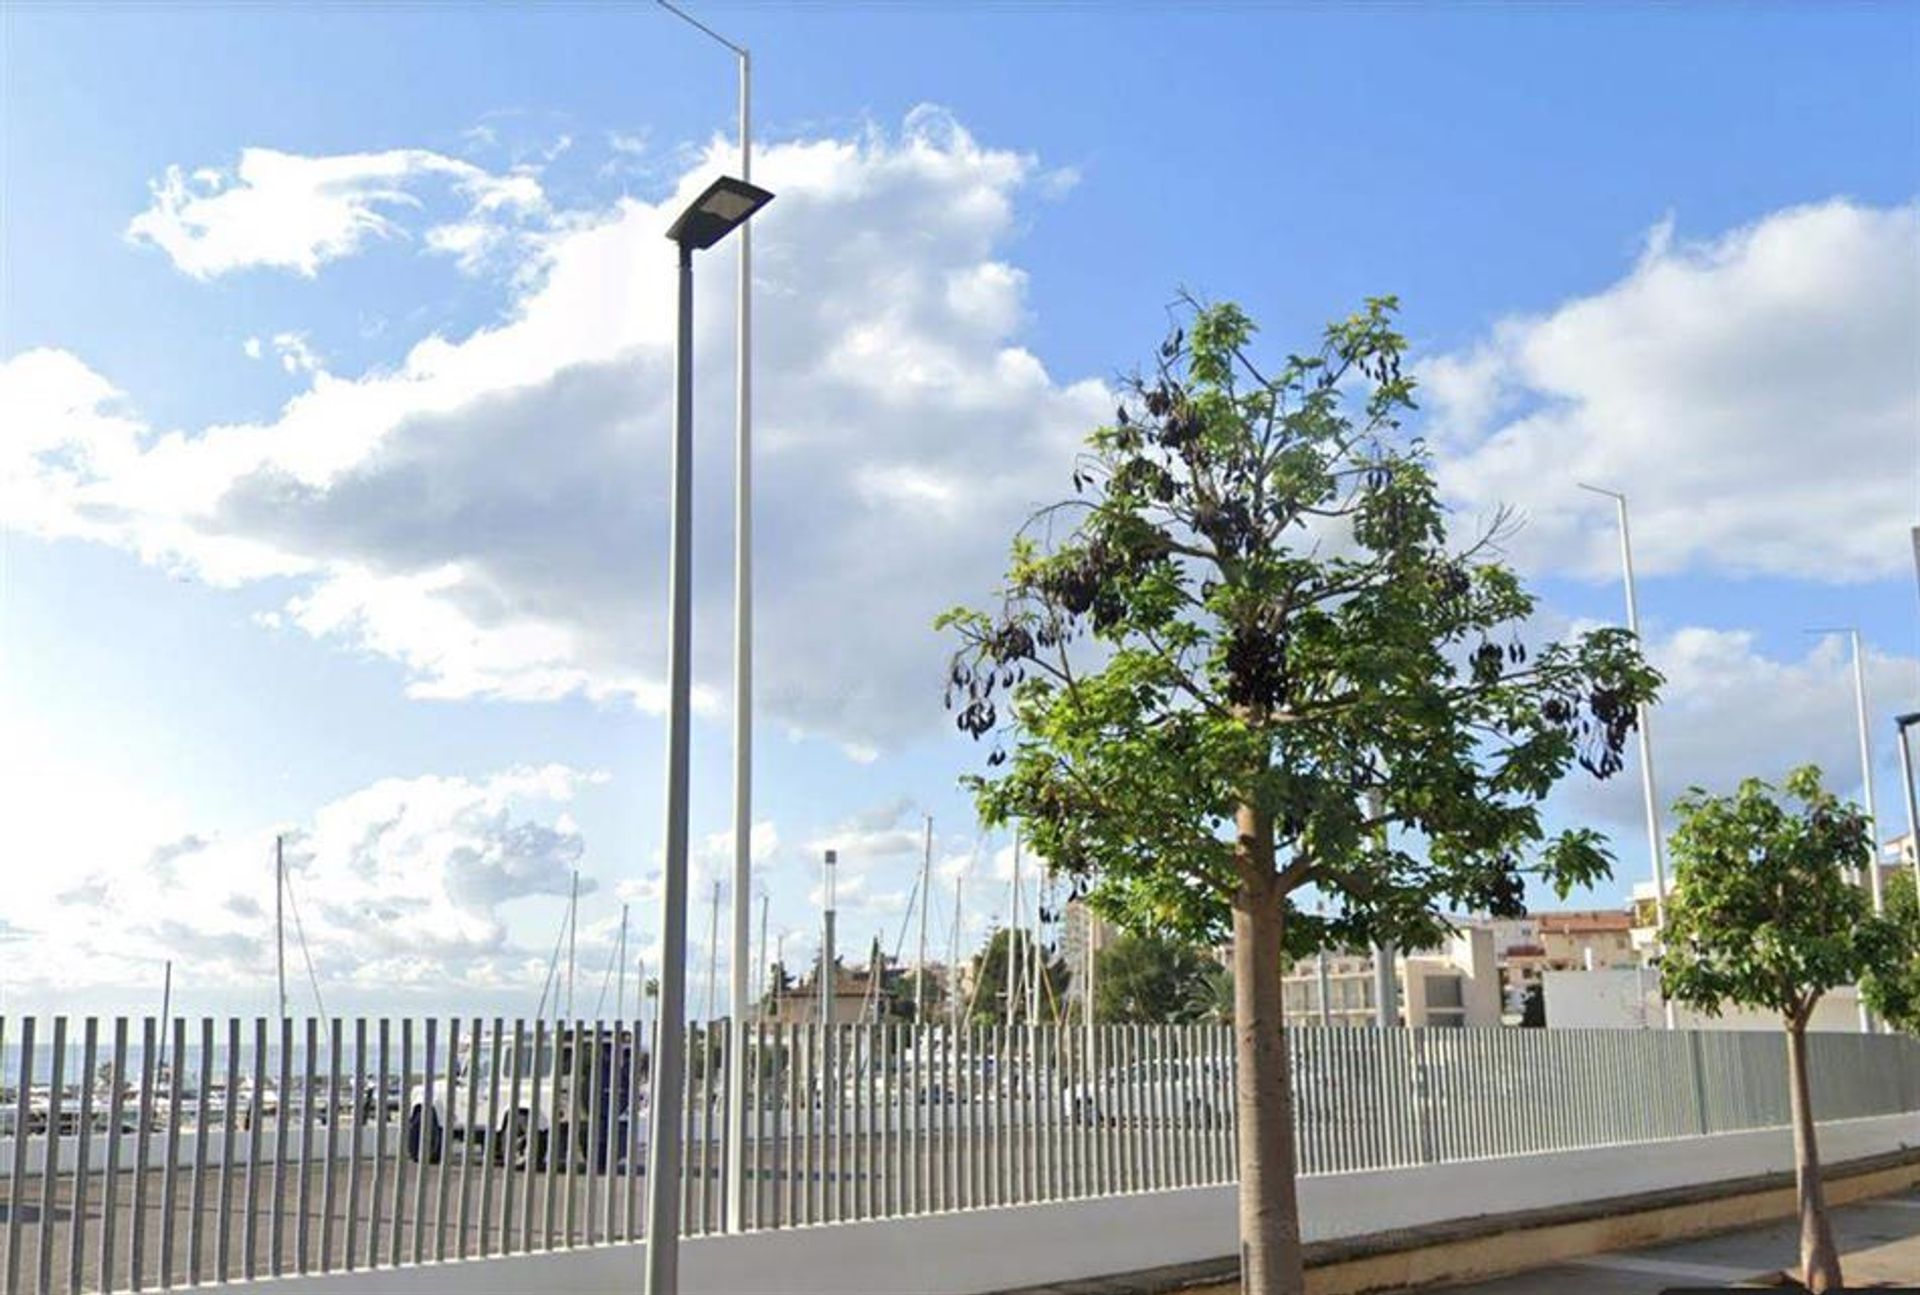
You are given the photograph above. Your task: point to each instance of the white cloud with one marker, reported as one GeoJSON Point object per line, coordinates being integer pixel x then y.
{"type": "Point", "coordinates": [1729, 711]}
{"type": "Point", "coordinates": [709, 860]}
{"type": "Point", "coordinates": [490, 512]}
{"type": "Point", "coordinates": [1755, 394]}
{"type": "Point", "coordinates": [296, 356]}
{"type": "Point", "coordinates": [65, 428]}
{"type": "Point", "coordinates": [402, 882]}
{"type": "Point", "coordinates": [291, 212]}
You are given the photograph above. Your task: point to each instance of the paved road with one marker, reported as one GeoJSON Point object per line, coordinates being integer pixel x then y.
{"type": "Point", "coordinates": [324, 1247]}
{"type": "Point", "coordinates": [1879, 1242]}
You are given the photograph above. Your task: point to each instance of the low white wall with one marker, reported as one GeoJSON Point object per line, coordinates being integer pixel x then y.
{"type": "Point", "coordinates": [1345, 1205]}
{"type": "Point", "coordinates": [987, 1250]}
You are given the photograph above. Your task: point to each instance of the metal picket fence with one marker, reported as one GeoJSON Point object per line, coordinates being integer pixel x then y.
{"type": "Point", "coordinates": [135, 1156]}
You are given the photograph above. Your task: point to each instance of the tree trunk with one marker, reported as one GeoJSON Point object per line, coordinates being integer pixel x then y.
{"type": "Point", "coordinates": [1270, 1258]}
{"type": "Point", "coordinates": [1819, 1260]}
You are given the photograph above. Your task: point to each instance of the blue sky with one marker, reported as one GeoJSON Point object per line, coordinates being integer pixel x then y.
{"type": "Point", "coordinates": [1671, 248]}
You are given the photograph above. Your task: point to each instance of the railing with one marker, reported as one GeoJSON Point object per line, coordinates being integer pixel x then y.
{"type": "Point", "coordinates": [253, 1148]}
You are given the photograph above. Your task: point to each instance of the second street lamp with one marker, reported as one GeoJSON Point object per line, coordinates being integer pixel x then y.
{"type": "Point", "coordinates": [723, 207]}
{"type": "Point", "coordinates": [1645, 725]}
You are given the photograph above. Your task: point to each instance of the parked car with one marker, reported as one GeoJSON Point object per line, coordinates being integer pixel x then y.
{"type": "Point", "coordinates": [1193, 1091]}
{"type": "Point", "coordinates": [525, 1134]}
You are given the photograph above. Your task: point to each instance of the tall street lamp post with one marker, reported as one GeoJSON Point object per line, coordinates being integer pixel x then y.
{"type": "Point", "coordinates": [724, 206]}
{"type": "Point", "coordinates": [1646, 733]}
{"type": "Point", "coordinates": [735, 1168]}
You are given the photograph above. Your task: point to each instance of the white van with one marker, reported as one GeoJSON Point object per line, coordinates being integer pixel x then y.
{"type": "Point", "coordinates": [522, 1134]}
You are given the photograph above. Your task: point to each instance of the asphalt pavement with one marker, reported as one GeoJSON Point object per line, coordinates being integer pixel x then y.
{"type": "Point", "coordinates": [1879, 1242]}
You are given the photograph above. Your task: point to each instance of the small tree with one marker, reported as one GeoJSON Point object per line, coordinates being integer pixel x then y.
{"type": "Point", "coordinates": [779, 985]}
{"type": "Point", "coordinates": [1245, 650]}
{"type": "Point", "coordinates": [1010, 951]}
{"type": "Point", "coordinates": [1762, 915]}
{"type": "Point", "coordinates": [1893, 991]}
{"type": "Point", "coordinates": [1149, 977]}
{"type": "Point", "coordinates": [1533, 1007]}
{"type": "Point", "coordinates": [1211, 1002]}
{"type": "Point", "coordinates": [890, 995]}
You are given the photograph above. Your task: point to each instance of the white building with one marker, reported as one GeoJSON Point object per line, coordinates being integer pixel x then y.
{"type": "Point", "coordinates": [1455, 985]}
{"type": "Point", "coordinates": [1897, 853]}
{"type": "Point", "coordinates": [1628, 998]}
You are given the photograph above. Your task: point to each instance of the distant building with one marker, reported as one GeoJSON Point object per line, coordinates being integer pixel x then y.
{"type": "Point", "coordinates": [1628, 998]}
{"type": "Point", "coordinates": [1518, 955]}
{"type": "Point", "coordinates": [1896, 857]}
{"type": "Point", "coordinates": [1456, 985]}
{"type": "Point", "coordinates": [855, 996]}
{"type": "Point", "coordinates": [800, 1005]}
{"type": "Point", "coordinates": [1078, 923]}
{"type": "Point", "coordinates": [1526, 948]}
{"type": "Point", "coordinates": [1587, 940]}
{"type": "Point", "coordinates": [1897, 853]}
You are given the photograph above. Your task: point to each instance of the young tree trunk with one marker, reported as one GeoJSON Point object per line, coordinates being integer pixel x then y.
{"type": "Point", "coordinates": [1270, 1258]}
{"type": "Point", "coordinates": [1819, 1260]}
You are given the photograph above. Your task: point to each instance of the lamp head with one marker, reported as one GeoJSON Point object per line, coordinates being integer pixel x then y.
{"type": "Point", "coordinates": [722, 207]}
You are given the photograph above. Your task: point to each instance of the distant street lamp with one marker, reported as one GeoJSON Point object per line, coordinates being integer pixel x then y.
{"type": "Point", "coordinates": [1651, 803]}
{"type": "Point", "coordinates": [725, 205]}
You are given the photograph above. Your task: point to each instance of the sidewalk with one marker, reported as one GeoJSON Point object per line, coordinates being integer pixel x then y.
{"type": "Point", "coordinates": [1879, 1245]}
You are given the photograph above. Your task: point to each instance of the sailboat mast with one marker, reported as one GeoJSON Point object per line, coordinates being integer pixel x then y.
{"type": "Point", "coordinates": [926, 898]}
{"type": "Point", "coordinates": [280, 918]}
{"type": "Point", "coordinates": [573, 928]}
{"type": "Point", "coordinates": [762, 968]}
{"type": "Point", "coordinates": [779, 981]}
{"type": "Point", "coordinates": [620, 994]}
{"type": "Point", "coordinates": [1044, 890]}
{"type": "Point", "coordinates": [713, 954]}
{"type": "Point", "coordinates": [953, 963]}
{"type": "Point", "coordinates": [166, 1014]}
{"type": "Point", "coordinates": [1012, 969]}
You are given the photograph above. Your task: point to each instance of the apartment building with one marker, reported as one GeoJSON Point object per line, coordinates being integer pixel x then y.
{"type": "Point", "coordinates": [1453, 986]}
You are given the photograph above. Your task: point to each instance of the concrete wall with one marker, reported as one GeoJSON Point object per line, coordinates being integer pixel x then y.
{"type": "Point", "coordinates": [986, 1250]}
{"type": "Point", "coordinates": [1468, 964]}
{"type": "Point", "coordinates": [1627, 998]}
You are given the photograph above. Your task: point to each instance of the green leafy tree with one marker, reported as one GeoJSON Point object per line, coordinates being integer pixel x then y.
{"type": "Point", "coordinates": [1893, 991]}
{"type": "Point", "coordinates": [1010, 952]}
{"type": "Point", "coordinates": [779, 985]}
{"type": "Point", "coordinates": [1762, 915]}
{"type": "Point", "coordinates": [1148, 977]}
{"type": "Point", "coordinates": [1243, 650]}
{"type": "Point", "coordinates": [1211, 1002]}
{"type": "Point", "coordinates": [890, 993]}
